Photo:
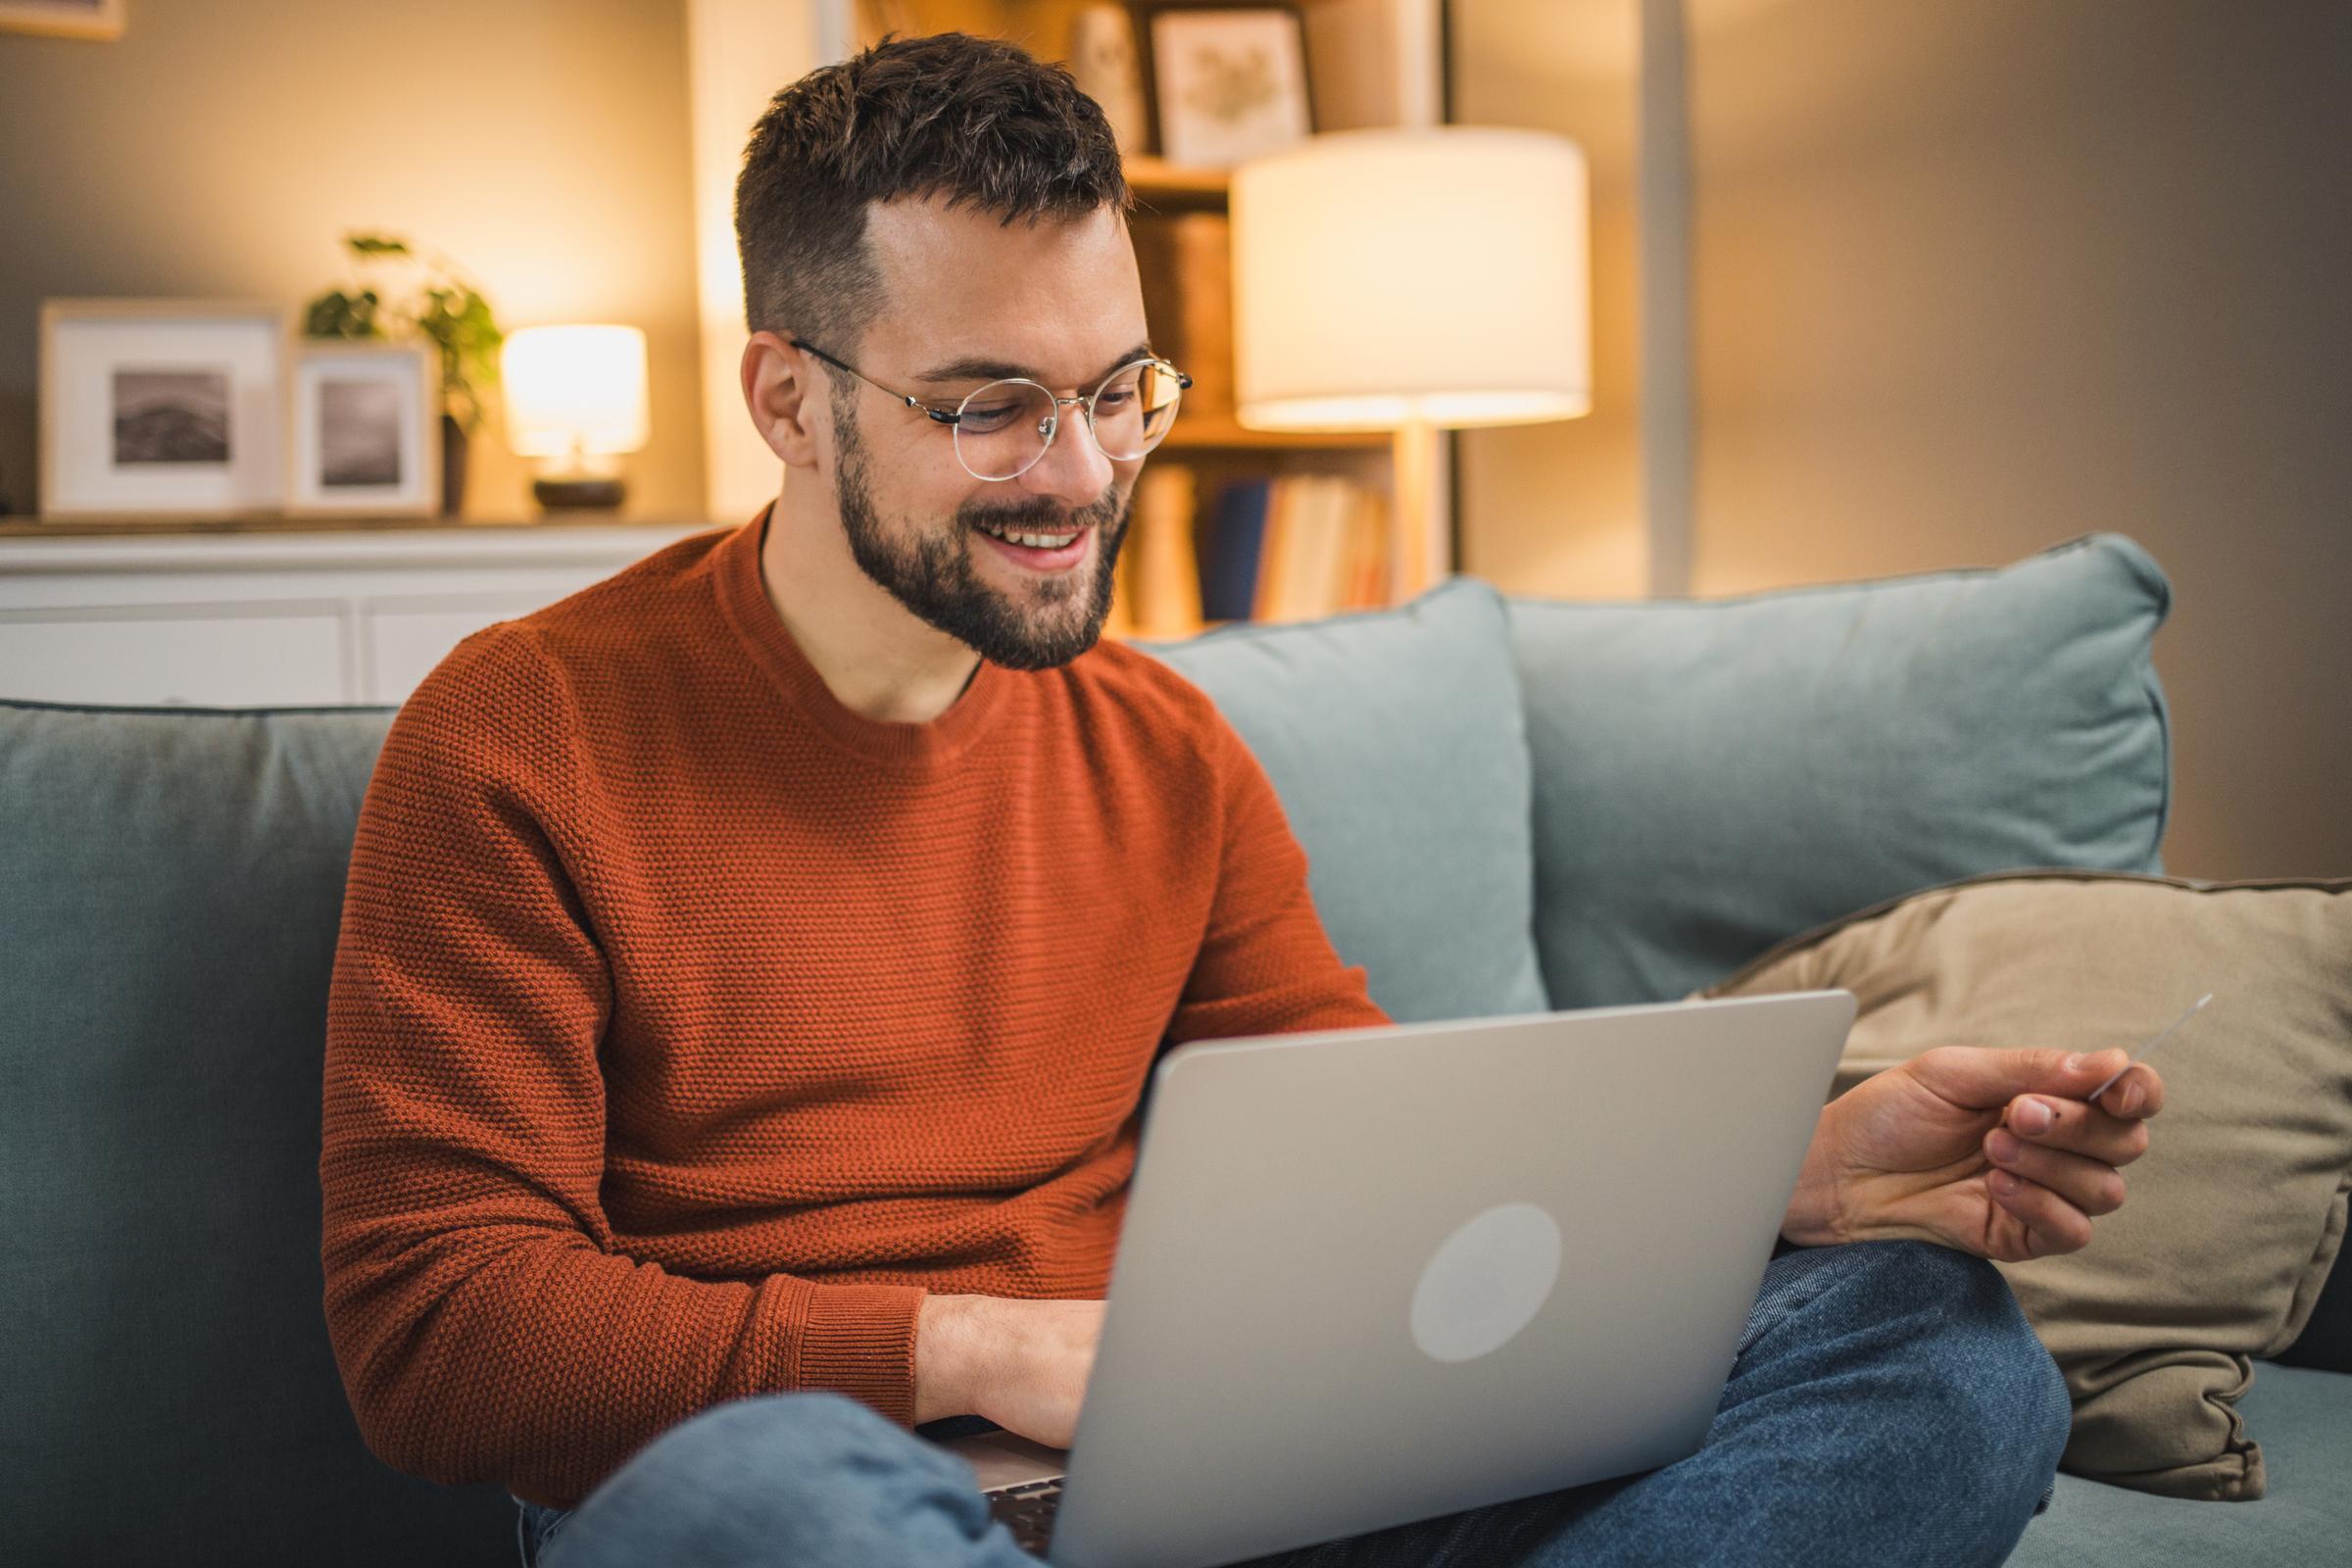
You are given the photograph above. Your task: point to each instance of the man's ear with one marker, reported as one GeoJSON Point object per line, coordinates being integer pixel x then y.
{"type": "Point", "coordinates": [781, 389]}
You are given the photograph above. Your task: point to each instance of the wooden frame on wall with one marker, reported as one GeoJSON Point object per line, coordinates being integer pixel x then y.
{"type": "Point", "coordinates": [153, 409]}
{"type": "Point", "coordinates": [1276, 27]}
{"type": "Point", "coordinates": [363, 429]}
{"type": "Point", "coordinates": [63, 19]}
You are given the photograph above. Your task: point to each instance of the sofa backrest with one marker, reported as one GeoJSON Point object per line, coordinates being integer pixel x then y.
{"type": "Point", "coordinates": [171, 882]}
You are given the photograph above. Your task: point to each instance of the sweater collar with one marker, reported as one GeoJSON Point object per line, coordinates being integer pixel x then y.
{"type": "Point", "coordinates": [904, 746]}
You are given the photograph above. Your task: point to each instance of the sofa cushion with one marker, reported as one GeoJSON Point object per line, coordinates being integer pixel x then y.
{"type": "Point", "coordinates": [1712, 777]}
{"type": "Point", "coordinates": [2306, 1422]}
{"type": "Point", "coordinates": [169, 885]}
{"type": "Point", "coordinates": [1396, 742]}
{"type": "Point", "coordinates": [2235, 1216]}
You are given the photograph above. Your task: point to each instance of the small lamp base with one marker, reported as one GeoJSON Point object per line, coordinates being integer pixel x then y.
{"type": "Point", "coordinates": [578, 495]}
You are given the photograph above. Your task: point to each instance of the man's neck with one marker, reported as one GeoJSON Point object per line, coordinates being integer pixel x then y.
{"type": "Point", "coordinates": [852, 630]}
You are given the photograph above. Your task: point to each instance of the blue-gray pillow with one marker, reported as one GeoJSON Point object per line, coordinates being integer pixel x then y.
{"type": "Point", "coordinates": [1714, 777]}
{"type": "Point", "coordinates": [169, 885]}
{"type": "Point", "coordinates": [1396, 742]}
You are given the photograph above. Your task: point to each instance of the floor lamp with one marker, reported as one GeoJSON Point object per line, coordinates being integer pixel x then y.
{"type": "Point", "coordinates": [1412, 280]}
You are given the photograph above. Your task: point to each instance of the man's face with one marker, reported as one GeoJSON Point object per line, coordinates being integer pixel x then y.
{"type": "Point", "coordinates": [1061, 301]}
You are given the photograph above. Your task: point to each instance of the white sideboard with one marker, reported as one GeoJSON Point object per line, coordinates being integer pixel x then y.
{"type": "Point", "coordinates": [279, 618]}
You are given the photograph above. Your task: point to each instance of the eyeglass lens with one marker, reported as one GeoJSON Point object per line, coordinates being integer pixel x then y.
{"type": "Point", "coordinates": [1003, 428]}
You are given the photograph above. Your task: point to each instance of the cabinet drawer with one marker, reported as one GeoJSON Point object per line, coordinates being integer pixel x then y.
{"type": "Point", "coordinates": [281, 656]}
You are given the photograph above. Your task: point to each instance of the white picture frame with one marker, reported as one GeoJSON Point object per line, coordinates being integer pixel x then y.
{"type": "Point", "coordinates": [162, 408]}
{"type": "Point", "coordinates": [1229, 84]}
{"type": "Point", "coordinates": [363, 429]}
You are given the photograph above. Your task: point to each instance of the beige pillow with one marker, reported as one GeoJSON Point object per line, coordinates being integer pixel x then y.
{"type": "Point", "coordinates": [2234, 1218]}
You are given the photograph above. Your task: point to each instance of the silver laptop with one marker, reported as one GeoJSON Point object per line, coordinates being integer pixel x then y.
{"type": "Point", "coordinates": [1368, 1276]}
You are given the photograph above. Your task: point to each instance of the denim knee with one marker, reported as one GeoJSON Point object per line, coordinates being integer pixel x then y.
{"type": "Point", "coordinates": [804, 1443]}
{"type": "Point", "coordinates": [807, 1476]}
{"type": "Point", "coordinates": [1992, 1379]}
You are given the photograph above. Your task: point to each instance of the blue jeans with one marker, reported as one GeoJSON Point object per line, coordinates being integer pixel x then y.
{"type": "Point", "coordinates": [1890, 1404]}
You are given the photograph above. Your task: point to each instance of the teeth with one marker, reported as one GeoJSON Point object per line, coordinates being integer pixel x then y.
{"type": "Point", "coordinates": [1036, 541]}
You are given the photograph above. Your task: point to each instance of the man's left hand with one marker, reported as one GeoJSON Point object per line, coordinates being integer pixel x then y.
{"type": "Point", "coordinates": [1987, 1151]}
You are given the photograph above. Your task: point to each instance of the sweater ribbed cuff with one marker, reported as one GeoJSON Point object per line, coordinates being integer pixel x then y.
{"type": "Point", "coordinates": [859, 1340]}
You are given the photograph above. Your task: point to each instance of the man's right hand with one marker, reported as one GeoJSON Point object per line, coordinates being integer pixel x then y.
{"type": "Point", "coordinates": [1022, 1364]}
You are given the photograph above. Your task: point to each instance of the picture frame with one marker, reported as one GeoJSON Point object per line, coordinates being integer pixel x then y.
{"type": "Point", "coordinates": [162, 408]}
{"type": "Point", "coordinates": [363, 429]}
{"type": "Point", "coordinates": [1225, 82]}
{"type": "Point", "coordinates": [63, 19]}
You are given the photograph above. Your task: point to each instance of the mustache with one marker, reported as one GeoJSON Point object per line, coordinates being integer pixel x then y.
{"type": "Point", "coordinates": [1046, 520]}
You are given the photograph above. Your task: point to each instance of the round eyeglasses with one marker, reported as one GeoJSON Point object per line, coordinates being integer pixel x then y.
{"type": "Point", "coordinates": [1003, 428]}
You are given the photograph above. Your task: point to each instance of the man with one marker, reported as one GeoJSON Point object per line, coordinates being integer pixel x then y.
{"type": "Point", "coordinates": [752, 966]}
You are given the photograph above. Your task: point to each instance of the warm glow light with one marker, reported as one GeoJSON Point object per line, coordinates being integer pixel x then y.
{"type": "Point", "coordinates": [574, 389]}
{"type": "Point", "coordinates": [1435, 274]}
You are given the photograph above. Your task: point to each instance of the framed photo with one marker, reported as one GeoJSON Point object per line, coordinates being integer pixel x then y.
{"type": "Point", "coordinates": [162, 408]}
{"type": "Point", "coordinates": [363, 437]}
{"type": "Point", "coordinates": [65, 19]}
{"type": "Point", "coordinates": [1227, 82]}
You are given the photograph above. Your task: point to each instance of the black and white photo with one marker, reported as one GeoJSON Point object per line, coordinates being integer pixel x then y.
{"type": "Point", "coordinates": [171, 415]}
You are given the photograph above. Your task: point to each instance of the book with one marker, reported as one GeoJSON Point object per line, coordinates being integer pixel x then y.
{"type": "Point", "coordinates": [1279, 559]}
{"type": "Point", "coordinates": [1327, 551]}
{"type": "Point", "coordinates": [1228, 564]}
{"type": "Point", "coordinates": [1367, 572]}
{"type": "Point", "coordinates": [1185, 263]}
{"type": "Point", "coordinates": [1158, 559]}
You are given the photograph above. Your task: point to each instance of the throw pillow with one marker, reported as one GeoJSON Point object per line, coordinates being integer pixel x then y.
{"type": "Point", "coordinates": [1711, 776]}
{"type": "Point", "coordinates": [2235, 1216]}
{"type": "Point", "coordinates": [1397, 743]}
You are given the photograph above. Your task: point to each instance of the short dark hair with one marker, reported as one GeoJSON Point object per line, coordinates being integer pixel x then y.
{"type": "Point", "coordinates": [972, 119]}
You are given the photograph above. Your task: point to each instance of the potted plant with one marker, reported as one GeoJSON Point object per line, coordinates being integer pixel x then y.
{"type": "Point", "coordinates": [444, 306]}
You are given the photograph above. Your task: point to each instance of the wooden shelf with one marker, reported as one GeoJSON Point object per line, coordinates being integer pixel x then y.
{"type": "Point", "coordinates": [1162, 186]}
{"type": "Point", "coordinates": [1215, 433]}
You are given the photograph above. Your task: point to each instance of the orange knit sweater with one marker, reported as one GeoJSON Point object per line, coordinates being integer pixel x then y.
{"type": "Point", "coordinates": [687, 1026]}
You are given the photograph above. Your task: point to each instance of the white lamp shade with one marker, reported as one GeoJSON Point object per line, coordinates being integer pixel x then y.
{"type": "Point", "coordinates": [1435, 274]}
{"type": "Point", "coordinates": [574, 389]}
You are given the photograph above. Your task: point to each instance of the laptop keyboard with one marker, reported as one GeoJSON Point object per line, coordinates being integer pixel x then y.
{"type": "Point", "coordinates": [1028, 1511]}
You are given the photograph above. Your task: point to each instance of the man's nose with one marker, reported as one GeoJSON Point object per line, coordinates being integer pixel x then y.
{"type": "Point", "coordinates": [1073, 467]}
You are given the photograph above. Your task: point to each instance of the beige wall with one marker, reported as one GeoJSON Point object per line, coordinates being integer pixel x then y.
{"type": "Point", "coordinates": [223, 148]}
{"type": "Point", "coordinates": [1557, 508]}
{"type": "Point", "coordinates": [1974, 276]}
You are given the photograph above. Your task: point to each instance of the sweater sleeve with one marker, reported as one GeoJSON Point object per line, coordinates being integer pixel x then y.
{"type": "Point", "coordinates": [1265, 965]}
{"type": "Point", "coordinates": [486, 1325]}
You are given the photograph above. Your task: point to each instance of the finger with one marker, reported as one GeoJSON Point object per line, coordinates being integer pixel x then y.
{"type": "Point", "coordinates": [2052, 1224]}
{"type": "Point", "coordinates": [1988, 1077]}
{"type": "Point", "coordinates": [2090, 1185]}
{"type": "Point", "coordinates": [2078, 1127]}
{"type": "Point", "coordinates": [2138, 1093]}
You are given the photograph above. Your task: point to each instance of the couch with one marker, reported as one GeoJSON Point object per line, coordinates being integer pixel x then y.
{"type": "Point", "coordinates": [1507, 803]}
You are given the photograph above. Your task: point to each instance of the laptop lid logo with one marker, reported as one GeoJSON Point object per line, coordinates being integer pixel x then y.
{"type": "Point", "coordinates": [1485, 1283]}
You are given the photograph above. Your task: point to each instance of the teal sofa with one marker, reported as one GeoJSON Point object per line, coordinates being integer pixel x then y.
{"type": "Point", "coordinates": [1507, 803]}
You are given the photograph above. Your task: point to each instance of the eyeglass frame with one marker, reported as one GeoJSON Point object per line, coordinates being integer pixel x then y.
{"type": "Point", "coordinates": [1184, 384]}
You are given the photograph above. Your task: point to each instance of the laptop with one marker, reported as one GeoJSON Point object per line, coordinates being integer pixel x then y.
{"type": "Point", "coordinates": [1369, 1276]}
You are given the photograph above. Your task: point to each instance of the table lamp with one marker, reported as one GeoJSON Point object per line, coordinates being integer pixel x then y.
{"type": "Point", "coordinates": [575, 399]}
{"type": "Point", "coordinates": [1412, 280]}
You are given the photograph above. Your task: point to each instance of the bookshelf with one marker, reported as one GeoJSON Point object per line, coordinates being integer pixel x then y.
{"type": "Point", "coordinates": [1230, 523]}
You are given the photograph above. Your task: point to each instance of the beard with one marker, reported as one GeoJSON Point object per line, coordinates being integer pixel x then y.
{"type": "Point", "coordinates": [933, 574]}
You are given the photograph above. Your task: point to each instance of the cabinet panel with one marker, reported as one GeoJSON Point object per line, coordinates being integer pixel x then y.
{"type": "Point", "coordinates": [404, 642]}
{"type": "Point", "coordinates": [286, 657]}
